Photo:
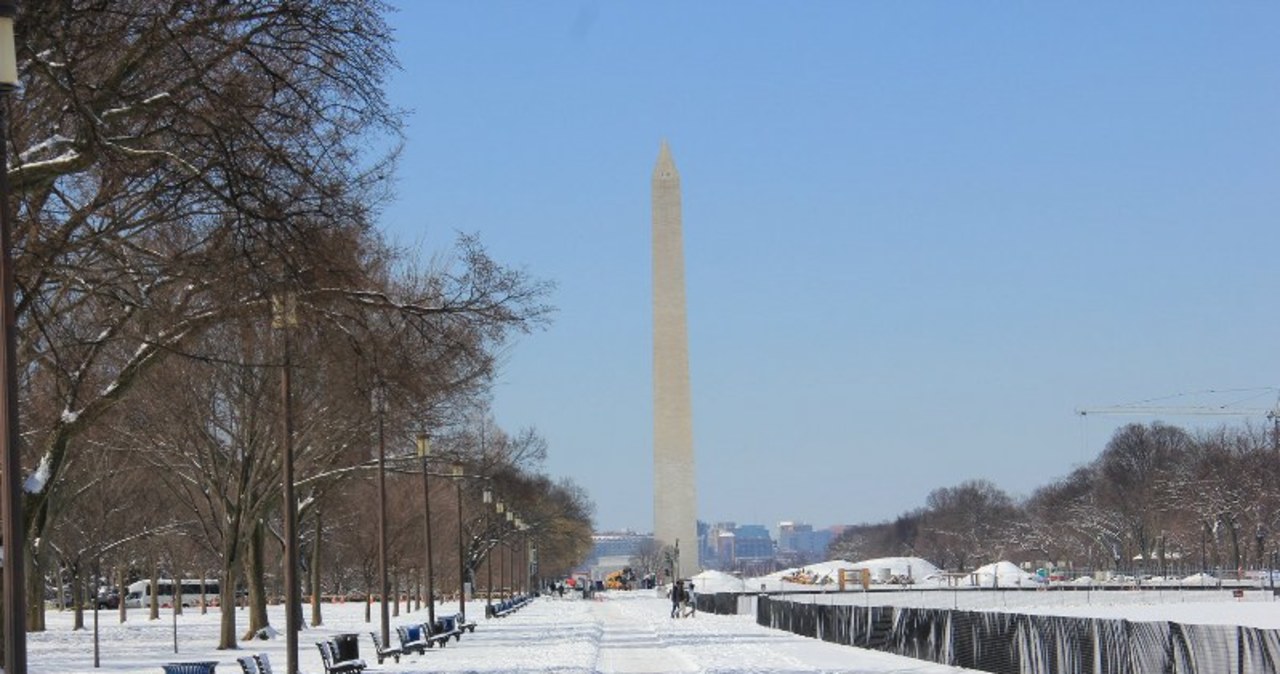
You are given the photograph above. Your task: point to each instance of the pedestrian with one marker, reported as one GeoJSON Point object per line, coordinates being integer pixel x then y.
{"type": "Point", "coordinates": [677, 596]}
{"type": "Point", "coordinates": [692, 598]}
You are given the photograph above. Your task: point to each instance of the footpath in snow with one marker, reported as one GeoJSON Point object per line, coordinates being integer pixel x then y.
{"type": "Point", "coordinates": [624, 633]}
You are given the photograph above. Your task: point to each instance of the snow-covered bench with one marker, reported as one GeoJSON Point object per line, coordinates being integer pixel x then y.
{"type": "Point", "coordinates": [384, 652]}
{"type": "Point", "coordinates": [418, 638]}
{"type": "Point", "coordinates": [329, 656]}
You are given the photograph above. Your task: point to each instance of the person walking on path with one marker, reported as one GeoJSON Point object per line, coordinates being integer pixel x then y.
{"type": "Point", "coordinates": [677, 598]}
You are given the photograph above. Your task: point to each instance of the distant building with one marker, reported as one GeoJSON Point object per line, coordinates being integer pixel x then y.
{"type": "Point", "coordinates": [614, 550]}
{"type": "Point", "coordinates": [717, 545]}
{"type": "Point", "coordinates": [753, 543]}
{"type": "Point", "coordinates": [728, 546]}
{"type": "Point", "coordinates": [618, 543]}
{"type": "Point", "coordinates": [800, 542]}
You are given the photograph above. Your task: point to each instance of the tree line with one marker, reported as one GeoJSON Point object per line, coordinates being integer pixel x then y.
{"type": "Point", "coordinates": [195, 188]}
{"type": "Point", "coordinates": [1158, 500]}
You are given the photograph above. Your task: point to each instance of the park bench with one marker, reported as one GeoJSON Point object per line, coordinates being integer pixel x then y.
{"type": "Point", "coordinates": [448, 626]}
{"type": "Point", "coordinates": [248, 665]}
{"type": "Point", "coordinates": [439, 632]}
{"type": "Point", "coordinates": [506, 607]}
{"type": "Point", "coordinates": [329, 655]}
{"type": "Point", "coordinates": [454, 625]}
{"type": "Point", "coordinates": [413, 638]}
{"type": "Point", "coordinates": [190, 667]}
{"type": "Point", "coordinates": [264, 663]}
{"type": "Point", "coordinates": [384, 652]}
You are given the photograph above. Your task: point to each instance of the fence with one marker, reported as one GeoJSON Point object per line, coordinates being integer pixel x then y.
{"type": "Point", "coordinates": [1008, 643]}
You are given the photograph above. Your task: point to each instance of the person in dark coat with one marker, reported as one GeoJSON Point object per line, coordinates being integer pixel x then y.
{"type": "Point", "coordinates": [677, 597]}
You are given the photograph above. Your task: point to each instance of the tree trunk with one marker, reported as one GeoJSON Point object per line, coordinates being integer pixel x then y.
{"type": "Point", "coordinates": [77, 597]}
{"type": "Point", "coordinates": [177, 592]}
{"type": "Point", "coordinates": [227, 594]}
{"type": "Point", "coordinates": [120, 578]}
{"type": "Point", "coordinates": [1235, 547]}
{"type": "Point", "coordinates": [35, 591]}
{"type": "Point", "coordinates": [316, 594]}
{"type": "Point", "coordinates": [155, 590]}
{"type": "Point", "coordinates": [1204, 547]}
{"type": "Point", "coordinates": [227, 605]}
{"type": "Point", "coordinates": [254, 580]}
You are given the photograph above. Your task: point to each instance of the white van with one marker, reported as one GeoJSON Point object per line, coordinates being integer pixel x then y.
{"type": "Point", "coordinates": [139, 595]}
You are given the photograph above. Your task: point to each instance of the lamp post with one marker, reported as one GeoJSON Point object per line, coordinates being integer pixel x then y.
{"type": "Point", "coordinates": [511, 557]}
{"type": "Point", "coordinates": [284, 317]}
{"type": "Point", "coordinates": [379, 405]}
{"type": "Point", "coordinates": [535, 580]}
{"type": "Point", "coordinates": [521, 528]}
{"type": "Point", "coordinates": [488, 612]}
{"type": "Point", "coordinates": [424, 452]}
{"type": "Point", "coordinates": [15, 605]}
{"type": "Point", "coordinates": [462, 575]}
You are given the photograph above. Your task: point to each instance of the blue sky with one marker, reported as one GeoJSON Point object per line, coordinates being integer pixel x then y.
{"type": "Point", "coordinates": [917, 235]}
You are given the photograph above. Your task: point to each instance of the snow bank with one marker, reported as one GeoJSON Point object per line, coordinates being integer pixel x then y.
{"type": "Point", "coordinates": [826, 575]}
{"type": "Point", "coordinates": [717, 581]}
{"type": "Point", "coordinates": [1004, 574]}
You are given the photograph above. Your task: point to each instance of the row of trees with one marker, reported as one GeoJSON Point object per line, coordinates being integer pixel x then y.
{"type": "Point", "coordinates": [196, 186]}
{"type": "Point", "coordinates": [1159, 499]}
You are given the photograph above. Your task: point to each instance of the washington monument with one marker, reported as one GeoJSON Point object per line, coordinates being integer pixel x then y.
{"type": "Point", "coordinates": [674, 499]}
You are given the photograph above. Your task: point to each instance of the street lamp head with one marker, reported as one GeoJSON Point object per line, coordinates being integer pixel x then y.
{"type": "Point", "coordinates": [486, 496]}
{"type": "Point", "coordinates": [457, 471]}
{"type": "Point", "coordinates": [500, 507]}
{"type": "Point", "coordinates": [8, 51]}
{"type": "Point", "coordinates": [511, 517]}
{"type": "Point", "coordinates": [424, 445]}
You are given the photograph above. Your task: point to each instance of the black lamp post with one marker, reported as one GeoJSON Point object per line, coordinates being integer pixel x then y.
{"type": "Point", "coordinates": [284, 317]}
{"type": "Point", "coordinates": [379, 406]}
{"type": "Point", "coordinates": [15, 619]}
{"type": "Point", "coordinates": [488, 613]}
{"type": "Point", "coordinates": [462, 575]}
{"type": "Point", "coordinates": [521, 528]}
{"type": "Point", "coordinates": [424, 452]}
{"type": "Point", "coordinates": [511, 557]}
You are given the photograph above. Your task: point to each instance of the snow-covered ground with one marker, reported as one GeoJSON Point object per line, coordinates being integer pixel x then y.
{"type": "Point", "coordinates": [622, 632]}
{"type": "Point", "coordinates": [916, 573]}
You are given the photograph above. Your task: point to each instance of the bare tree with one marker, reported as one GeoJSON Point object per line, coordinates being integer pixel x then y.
{"type": "Point", "coordinates": [972, 522]}
{"type": "Point", "coordinates": [165, 176]}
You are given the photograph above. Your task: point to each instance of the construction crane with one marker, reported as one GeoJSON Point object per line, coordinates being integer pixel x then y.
{"type": "Point", "coordinates": [1145, 408]}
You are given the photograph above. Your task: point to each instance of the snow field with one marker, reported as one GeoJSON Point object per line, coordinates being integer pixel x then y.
{"type": "Point", "coordinates": [624, 633]}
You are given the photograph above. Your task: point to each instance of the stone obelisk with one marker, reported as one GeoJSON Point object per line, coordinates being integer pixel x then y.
{"type": "Point", "coordinates": [675, 516]}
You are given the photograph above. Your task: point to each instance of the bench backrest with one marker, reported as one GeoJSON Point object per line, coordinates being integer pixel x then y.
{"type": "Point", "coordinates": [325, 655]}
{"type": "Point", "coordinates": [264, 663]}
{"type": "Point", "coordinates": [188, 667]}
{"type": "Point", "coordinates": [248, 665]}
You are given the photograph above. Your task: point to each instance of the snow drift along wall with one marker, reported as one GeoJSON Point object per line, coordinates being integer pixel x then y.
{"type": "Point", "coordinates": [1010, 643]}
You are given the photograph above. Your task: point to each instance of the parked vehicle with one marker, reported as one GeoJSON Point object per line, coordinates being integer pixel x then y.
{"type": "Point", "coordinates": [108, 598]}
{"type": "Point", "coordinates": [139, 594]}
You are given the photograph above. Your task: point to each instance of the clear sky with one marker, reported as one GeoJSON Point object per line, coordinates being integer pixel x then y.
{"type": "Point", "coordinates": [918, 235]}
